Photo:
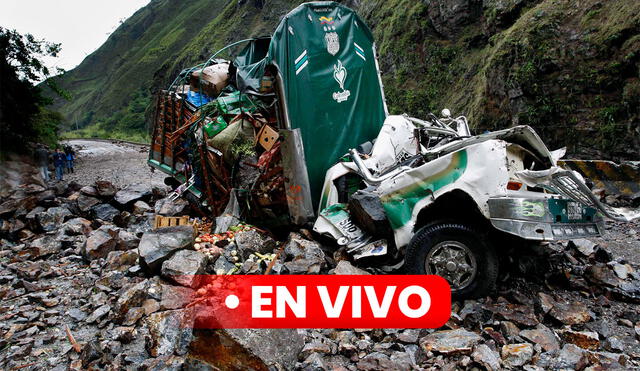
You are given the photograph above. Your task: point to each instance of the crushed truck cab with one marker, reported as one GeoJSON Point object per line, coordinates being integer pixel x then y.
{"type": "Point", "coordinates": [428, 190]}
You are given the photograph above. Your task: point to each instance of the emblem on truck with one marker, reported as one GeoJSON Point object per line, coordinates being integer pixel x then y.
{"type": "Point", "coordinates": [333, 43]}
{"type": "Point", "coordinates": [340, 75]}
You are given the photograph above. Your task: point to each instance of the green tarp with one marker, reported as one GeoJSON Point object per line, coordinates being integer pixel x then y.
{"type": "Point", "coordinates": [326, 60]}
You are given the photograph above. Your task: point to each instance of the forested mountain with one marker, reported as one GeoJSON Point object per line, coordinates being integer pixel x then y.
{"type": "Point", "coordinates": [569, 68]}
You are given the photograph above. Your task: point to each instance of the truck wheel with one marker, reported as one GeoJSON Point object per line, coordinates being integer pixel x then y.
{"type": "Point", "coordinates": [456, 252]}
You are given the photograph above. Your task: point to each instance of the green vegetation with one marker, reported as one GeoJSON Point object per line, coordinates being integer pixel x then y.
{"type": "Point", "coordinates": [24, 116]}
{"type": "Point", "coordinates": [570, 71]}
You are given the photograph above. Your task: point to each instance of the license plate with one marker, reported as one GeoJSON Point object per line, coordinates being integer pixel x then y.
{"type": "Point", "coordinates": [574, 210]}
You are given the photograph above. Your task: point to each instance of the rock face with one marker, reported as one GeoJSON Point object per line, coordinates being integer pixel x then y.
{"type": "Point", "coordinates": [158, 245]}
{"type": "Point", "coordinates": [133, 193]}
{"type": "Point", "coordinates": [184, 267]}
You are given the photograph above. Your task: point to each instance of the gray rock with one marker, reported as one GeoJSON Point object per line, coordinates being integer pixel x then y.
{"type": "Point", "coordinates": [570, 313]}
{"type": "Point", "coordinates": [584, 246]}
{"type": "Point", "coordinates": [271, 348]}
{"type": "Point", "coordinates": [121, 260]}
{"type": "Point", "coordinates": [170, 332]}
{"type": "Point", "coordinates": [141, 207]}
{"type": "Point", "coordinates": [45, 246]}
{"type": "Point", "coordinates": [307, 256]}
{"type": "Point", "coordinates": [105, 212]}
{"type": "Point", "coordinates": [459, 341]}
{"type": "Point", "coordinates": [346, 268]}
{"type": "Point", "coordinates": [542, 336]}
{"type": "Point", "coordinates": [515, 355]}
{"type": "Point", "coordinates": [622, 270]}
{"type": "Point", "coordinates": [89, 191]}
{"type": "Point", "coordinates": [158, 245]}
{"type": "Point", "coordinates": [97, 314]}
{"type": "Point", "coordinates": [76, 314]}
{"type": "Point", "coordinates": [486, 357]}
{"type": "Point", "coordinates": [185, 267]}
{"type": "Point", "coordinates": [127, 240]}
{"type": "Point", "coordinates": [85, 203]}
{"type": "Point", "coordinates": [100, 242]}
{"type": "Point", "coordinates": [601, 274]}
{"type": "Point", "coordinates": [77, 226]}
{"type": "Point", "coordinates": [133, 193]}
{"type": "Point", "coordinates": [252, 241]}
{"type": "Point", "coordinates": [53, 218]}
{"type": "Point", "coordinates": [131, 296]}
{"type": "Point", "coordinates": [222, 266]}
{"type": "Point", "coordinates": [166, 207]}
{"type": "Point", "coordinates": [566, 358]}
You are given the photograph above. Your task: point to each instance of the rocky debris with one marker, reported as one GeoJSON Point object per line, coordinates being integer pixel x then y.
{"type": "Point", "coordinates": [44, 246]}
{"type": "Point", "coordinates": [515, 355]}
{"type": "Point", "coordinates": [307, 256]}
{"type": "Point", "coordinates": [459, 341]}
{"type": "Point", "coordinates": [105, 212]}
{"type": "Point", "coordinates": [85, 203]}
{"type": "Point", "coordinates": [542, 336]}
{"type": "Point", "coordinates": [170, 332]}
{"type": "Point", "coordinates": [168, 207]}
{"type": "Point", "coordinates": [133, 193]}
{"type": "Point", "coordinates": [100, 242]}
{"type": "Point", "coordinates": [252, 241]}
{"type": "Point", "coordinates": [104, 188]}
{"type": "Point", "coordinates": [185, 267]}
{"type": "Point", "coordinates": [345, 268]}
{"type": "Point", "coordinates": [158, 245]}
{"type": "Point", "coordinates": [486, 357]}
{"type": "Point", "coordinates": [53, 218]}
{"type": "Point", "coordinates": [584, 246]}
{"type": "Point", "coordinates": [141, 207]}
{"type": "Point", "coordinates": [583, 339]}
{"type": "Point", "coordinates": [573, 313]}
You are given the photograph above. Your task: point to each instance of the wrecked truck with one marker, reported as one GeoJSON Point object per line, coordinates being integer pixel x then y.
{"type": "Point", "coordinates": [293, 129]}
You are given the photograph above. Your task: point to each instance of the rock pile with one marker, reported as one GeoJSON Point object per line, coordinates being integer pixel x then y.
{"type": "Point", "coordinates": [86, 282]}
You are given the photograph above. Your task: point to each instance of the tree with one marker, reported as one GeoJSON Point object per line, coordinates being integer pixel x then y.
{"type": "Point", "coordinates": [23, 113]}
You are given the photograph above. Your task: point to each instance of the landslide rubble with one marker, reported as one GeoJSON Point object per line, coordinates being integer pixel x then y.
{"type": "Point", "coordinates": [86, 282]}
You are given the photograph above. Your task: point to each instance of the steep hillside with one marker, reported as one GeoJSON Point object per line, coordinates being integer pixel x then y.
{"type": "Point", "coordinates": [570, 68]}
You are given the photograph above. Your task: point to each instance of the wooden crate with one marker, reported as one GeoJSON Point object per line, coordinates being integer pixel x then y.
{"type": "Point", "coordinates": [170, 221]}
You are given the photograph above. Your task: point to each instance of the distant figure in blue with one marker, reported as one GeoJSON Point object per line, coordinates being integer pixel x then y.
{"type": "Point", "coordinates": [71, 156]}
{"type": "Point", "coordinates": [59, 161]}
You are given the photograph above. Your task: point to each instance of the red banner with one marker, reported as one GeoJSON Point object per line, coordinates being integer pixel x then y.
{"type": "Point", "coordinates": [321, 301]}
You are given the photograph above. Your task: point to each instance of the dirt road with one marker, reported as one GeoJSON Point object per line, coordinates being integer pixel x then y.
{"type": "Point", "coordinates": [119, 163]}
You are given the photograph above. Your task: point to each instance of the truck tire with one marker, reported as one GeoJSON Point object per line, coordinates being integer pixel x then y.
{"type": "Point", "coordinates": [458, 253]}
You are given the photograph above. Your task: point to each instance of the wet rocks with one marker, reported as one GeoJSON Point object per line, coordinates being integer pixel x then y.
{"type": "Point", "coordinates": [158, 245]}
{"type": "Point", "coordinates": [105, 212]}
{"type": "Point", "coordinates": [184, 267]}
{"type": "Point", "coordinates": [459, 341]}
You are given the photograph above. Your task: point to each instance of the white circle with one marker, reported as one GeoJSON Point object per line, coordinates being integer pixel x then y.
{"type": "Point", "coordinates": [425, 301]}
{"type": "Point", "coordinates": [232, 302]}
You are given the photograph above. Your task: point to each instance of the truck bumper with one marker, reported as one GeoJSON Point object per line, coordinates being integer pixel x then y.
{"type": "Point", "coordinates": [544, 219]}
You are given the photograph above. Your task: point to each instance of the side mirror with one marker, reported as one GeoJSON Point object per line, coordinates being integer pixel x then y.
{"type": "Point", "coordinates": [446, 113]}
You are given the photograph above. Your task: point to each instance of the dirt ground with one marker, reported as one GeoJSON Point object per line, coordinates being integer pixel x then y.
{"type": "Point", "coordinates": [119, 163]}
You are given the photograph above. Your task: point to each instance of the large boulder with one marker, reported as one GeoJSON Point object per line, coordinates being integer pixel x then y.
{"type": "Point", "coordinates": [158, 245]}
{"type": "Point", "coordinates": [185, 267]}
{"type": "Point", "coordinates": [260, 348]}
{"type": "Point", "coordinates": [85, 203]}
{"type": "Point", "coordinates": [252, 241]}
{"type": "Point", "coordinates": [167, 207]}
{"type": "Point", "coordinates": [133, 193]}
{"type": "Point", "coordinates": [105, 188]}
{"type": "Point", "coordinates": [105, 212]}
{"type": "Point", "coordinates": [101, 242]}
{"type": "Point", "coordinates": [307, 256]}
{"type": "Point", "coordinates": [170, 332]}
{"type": "Point", "coordinates": [53, 218]}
